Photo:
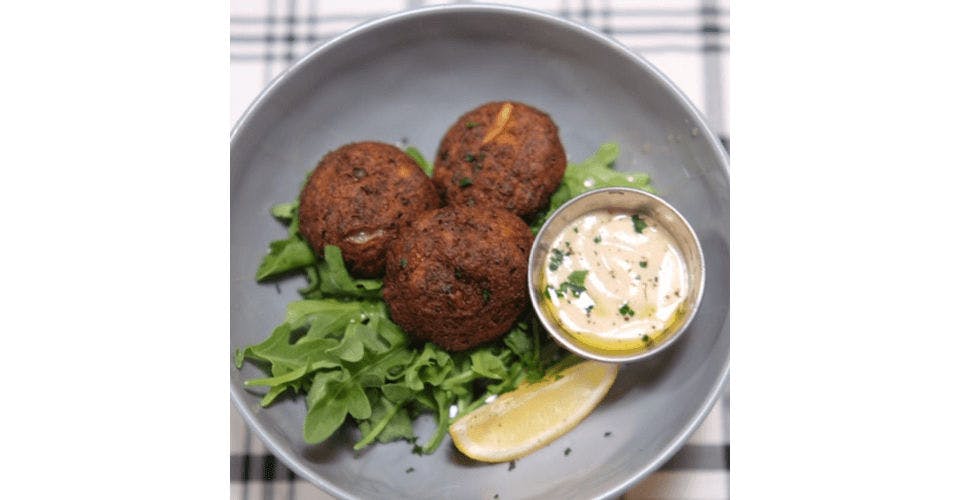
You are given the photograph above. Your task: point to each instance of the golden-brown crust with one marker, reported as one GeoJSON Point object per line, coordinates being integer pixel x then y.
{"type": "Point", "coordinates": [514, 164]}
{"type": "Point", "coordinates": [457, 276]}
{"type": "Point", "coordinates": [358, 197]}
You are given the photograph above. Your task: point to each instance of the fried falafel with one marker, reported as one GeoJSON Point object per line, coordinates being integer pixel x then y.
{"type": "Point", "coordinates": [358, 197]}
{"type": "Point", "coordinates": [502, 154]}
{"type": "Point", "coordinates": [457, 276]}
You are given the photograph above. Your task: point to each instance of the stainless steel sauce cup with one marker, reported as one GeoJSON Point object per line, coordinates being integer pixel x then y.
{"type": "Point", "coordinates": [619, 199]}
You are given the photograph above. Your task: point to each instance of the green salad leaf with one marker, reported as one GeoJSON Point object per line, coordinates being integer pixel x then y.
{"type": "Point", "coordinates": [334, 280]}
{"type": "Point", "coordinates": [339, 349]}
{"type": "Point", "coordinates": [285, 256]}
{"type": "Point", "coordinates": [593, 173]}
{"type": "Point", "coordinates": [418, 157]}
{"type": "Point", "coordinates": [353, 362]}
{"type": "Point", "coordinates": [290, 254]}
{"type": "Point", "coordinates": [285, 212]}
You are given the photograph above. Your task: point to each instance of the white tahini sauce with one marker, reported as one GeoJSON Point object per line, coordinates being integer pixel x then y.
{"type": "Point", "coordinates": [634, 285]}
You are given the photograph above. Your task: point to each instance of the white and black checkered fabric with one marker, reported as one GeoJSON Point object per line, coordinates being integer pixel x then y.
{"type": "Point", "coordinates": [686, 39]}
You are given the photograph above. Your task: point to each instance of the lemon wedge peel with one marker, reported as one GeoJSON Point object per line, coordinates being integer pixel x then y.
{"type": "Point", "coordinates": [522, 421]}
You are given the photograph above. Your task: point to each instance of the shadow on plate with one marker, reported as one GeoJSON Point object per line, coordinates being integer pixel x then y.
{"type": "Point", "coordinates": [334, 448]}
{"type": "Point", "coordinates": [642, 375]}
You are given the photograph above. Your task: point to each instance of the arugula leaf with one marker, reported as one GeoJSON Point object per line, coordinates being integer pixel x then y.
{"type": "Point", "coordinates": [285, 212]}
{"type": "Point", "coordinates": [525, 344]}
{"type": "Point", "coordinates": [358, 406]}
{"type": "Point", "coordinates": [374, 370]}
{"type": "Point", "coordinates": [278, 350]}
{"type": "Point", "coordinates": [328, 409]}
{"type": "Point", "coordinates": [593, 173]}
{"type": "Point", "coordinates": [290, 254]}
{"type": "Point", "coordinates": [274, 392]}
{"type": "Point", "coordinates": [430, 359]}
{"type": "Point", "coordinates": [285, 256]}
{"type": "Point", "coordinates": [325, 316]}
{"type": "Point", "coordinates": [519, 341]}
{"type": "Point", "coordinates": [350, 347]}
{"type": "Point", "coordinates": [396, 393]}
{"type": "Point", "coordinates": [340, 391]}
{"type": "Point", "coordinates": [510, 382]}
{"type": "Point", "coordinates": [485, 364]}
{"type": "Point", "coordinates": [443, 420]}
{"type": "Point", "coordinates": [388, 422]}
{"type": "Point", "coordinates": [418, 157]}
{"type": "Point", "coordinates": [398, 426]}
{"type": "Point", "coordinates": [312, 290]}
{"type": "Point", "coordinates": [336, 281]}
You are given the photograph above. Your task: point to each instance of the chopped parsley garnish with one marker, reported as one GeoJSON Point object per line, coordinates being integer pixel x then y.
{"type": "Point", "coordinates": [575, 230]}
{"type": "Point", "coordinates": [638, 224]}
{"type": "Point", "coordinates": [643, 263]}
{"type": "Point", "coordinates": [625, 311]}
{"type": "Point", "coordinates": [469, 157]}
{"type": "Point", "coordinates": [566, 451]}
{"type": "Point", "coordinates": [597, 239]}
{"type": "Point", "coordinates": [458, 273]}
{"type": "Point", "coordinates": [403, 263]}
{"type": "Point", "coordinates": [410, 469]}
{"type": "Point", "coordinates": [645, 338]}
{"type": "Point", "coordinates": [465, 181]}
{"type": "Point", "coordinates": [569, 249]}
{"type": "Point", "coordinates": [486, 295]}
{"type": "Point", "coordinates": [589, 310]}
{"type": "Point", "coordinates": [577, 277]}
{"type": "Point", "coordinates": [556, 258]}
{"type": "Point", "coordinates": [574, 284]}
{"type": "Point", "coordinates": [472, 124]}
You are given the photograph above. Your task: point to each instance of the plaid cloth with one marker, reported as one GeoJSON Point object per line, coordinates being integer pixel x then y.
{"type": "Point", "coordinates": [686, 39]}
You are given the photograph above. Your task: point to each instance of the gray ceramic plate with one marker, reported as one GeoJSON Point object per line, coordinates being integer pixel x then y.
{"type": "Point", "coordinates": [405, 79]}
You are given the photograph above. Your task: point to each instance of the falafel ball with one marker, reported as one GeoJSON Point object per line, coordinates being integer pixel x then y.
{"type": "Point", "coordinates": [457, 276]}
{"type": "Point", "coordinates": [502, 154]}
{"type": "Point", "coordinates": [358, 197]}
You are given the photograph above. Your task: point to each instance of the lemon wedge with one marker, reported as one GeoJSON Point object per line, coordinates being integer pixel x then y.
{"type": "Point", "coordinates": [522, 421]}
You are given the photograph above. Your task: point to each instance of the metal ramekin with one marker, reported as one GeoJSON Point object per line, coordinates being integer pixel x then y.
{"type": "Point", "coordinates": [631, 200]}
